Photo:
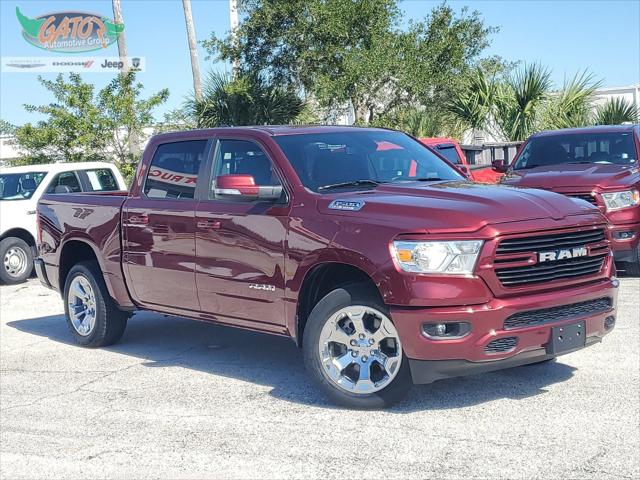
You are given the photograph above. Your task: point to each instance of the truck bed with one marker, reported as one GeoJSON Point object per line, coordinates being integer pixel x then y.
{"type": "Point", "coordinates": [94, 218]}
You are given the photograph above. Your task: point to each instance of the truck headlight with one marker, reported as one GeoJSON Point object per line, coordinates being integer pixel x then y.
{"type": "Point", "coordinates": [450, 258]}
{"type": "Point", "coordinates": [618, 200]}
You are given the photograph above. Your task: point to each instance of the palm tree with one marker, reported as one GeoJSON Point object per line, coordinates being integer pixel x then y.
{"type": "Point", "coordinates": [572, 106]}
{"type": "Point", "coordinates": [193, 48]}
{"type": "Point", "coordinates": [247, 100]}
{"type": "Point", "coordinates": [472, 103]}
{"type": "Point", "coordinates": [616, 111]}
{"type": "Point", "coordinates": [520, 100]}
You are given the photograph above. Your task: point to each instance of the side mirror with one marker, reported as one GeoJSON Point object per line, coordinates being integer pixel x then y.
{"type": "Point", "coordinates": [244, 188]}
{"type": "Point", "coordinates": [499, 166]}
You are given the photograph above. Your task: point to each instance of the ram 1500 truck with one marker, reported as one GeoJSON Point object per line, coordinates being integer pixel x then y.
{"type": "Point", "coordinates": [597, 164]}
{"type": "Point", "coordinates": [379, 259]}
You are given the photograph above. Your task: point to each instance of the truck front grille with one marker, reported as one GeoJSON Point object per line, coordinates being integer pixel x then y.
{"type": "Point", "coordinates": [518, 264]}
{"type": "Point", "coordinates": [557, 314]}
{"type": "Point", "coordinates": [588, 197]}
{"type": "Point", "coordinates": [501, 345]}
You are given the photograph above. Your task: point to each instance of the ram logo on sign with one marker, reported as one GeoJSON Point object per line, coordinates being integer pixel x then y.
{"type": "Point", "coordinates": [562, 254]}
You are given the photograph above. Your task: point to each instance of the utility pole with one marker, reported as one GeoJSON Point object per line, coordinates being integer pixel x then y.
{"type": "Point", "coordinates": [122, 44]}
{"type": "Point", "coordinates": [134, 149]}
{"type": "Point", "coordinates": [193, 48]}
{"type": "Point", "coordinates": [233, 20]}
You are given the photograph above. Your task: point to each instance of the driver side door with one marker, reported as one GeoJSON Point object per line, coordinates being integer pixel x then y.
{"type": "Point", "coordinates": [240, 243]}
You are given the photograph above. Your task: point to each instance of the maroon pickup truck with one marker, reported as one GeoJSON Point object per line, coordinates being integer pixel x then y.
{"type": "Point", "coordinates": [597, 164]}
{"type": "Point", "coordinates": [380, 260]}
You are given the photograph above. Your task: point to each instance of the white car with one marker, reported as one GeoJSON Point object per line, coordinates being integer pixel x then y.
{"type": "Point", "coordinates": [20, 190]}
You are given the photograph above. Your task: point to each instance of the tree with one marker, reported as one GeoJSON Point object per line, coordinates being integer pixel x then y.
{"type": "Point", "coordinates": [80, 125]}
{"type": "Point", "coordinates": [354, 52]}
{"type": "Point", "coordinates": [245, 100]}
{"type": "Point", "coordinates": [616, 111]}
{"type": "Point", "coordinates": [472, 103]}
{"type": "Point", "coordinates": [519, 101]}
{"type": "Point", "coordinates": [573, 104]}
{"type": "Point", "coordinates": [6, 128]}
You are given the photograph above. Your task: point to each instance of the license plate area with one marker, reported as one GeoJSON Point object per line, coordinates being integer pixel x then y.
{"type": "Point", "coordinates": [567, 338]}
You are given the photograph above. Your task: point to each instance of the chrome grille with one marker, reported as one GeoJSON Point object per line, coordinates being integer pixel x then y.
{"type": "Point", "coordinates": [557, 314]}
{"type": "Point", "coordinates": [501, 345]}
{"type": "Point", "coordinates": [550, 242]}
{"type": "Point", "coordinates": [522, 275]}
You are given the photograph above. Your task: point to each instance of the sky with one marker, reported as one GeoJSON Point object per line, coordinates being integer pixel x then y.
{"type": "Point", "coordinates": [565, 36]}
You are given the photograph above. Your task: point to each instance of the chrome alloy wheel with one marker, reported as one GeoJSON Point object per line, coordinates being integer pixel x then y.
{"type": "Point", "coordinates": [360, 349]}
{"type": "Point", "coordinates": [15, 261]}
{"type": "Point", "coordinates": [82, 305]}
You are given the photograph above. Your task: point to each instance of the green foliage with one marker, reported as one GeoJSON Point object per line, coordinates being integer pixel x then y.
{"type": "Point", "coordinates": [615, 112]}
{"type": "Point", "coordinates": [472, 103]}
{"type": "Point", "coordinates": [354, 51]}
{"type": "Point", "coordinates": [245, 100]}
{"type": "Point", "coordinates": [571, 106]}
{"type": "Point", "coordinates": [82, 125]}
{"type": "Point", "coordinates": [421, 122]}
{"type": "Point", "coordinates": [6, 128]}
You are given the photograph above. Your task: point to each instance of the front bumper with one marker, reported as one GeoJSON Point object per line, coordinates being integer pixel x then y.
{"type": "Point", "coordinates": [468, 354]}
{"type": "Point", "coordinates": [624, 249]}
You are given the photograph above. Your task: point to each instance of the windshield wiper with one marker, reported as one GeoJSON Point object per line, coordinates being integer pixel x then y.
{"type": "Point", "coordinates": [354, 183]}
{"type": "Point", "coordinates": [426, 179]}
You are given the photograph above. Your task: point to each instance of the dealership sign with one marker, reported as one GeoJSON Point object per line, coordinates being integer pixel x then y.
{"type": "Point", "coordinates": [70, 31]}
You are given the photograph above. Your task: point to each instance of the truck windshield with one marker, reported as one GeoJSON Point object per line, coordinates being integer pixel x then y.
{"type": "Point", "coordinates": [19, 186]}
{"type": "Point", "coordinates": [324, 161]}
{"type": "Point", "coordinates": [608, 147]}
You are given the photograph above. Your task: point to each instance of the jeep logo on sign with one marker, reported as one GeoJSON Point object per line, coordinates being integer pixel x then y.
{"type": "Point", "coordinates": [562, 254]}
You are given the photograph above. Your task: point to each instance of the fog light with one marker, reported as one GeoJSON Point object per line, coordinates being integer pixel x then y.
{"type": "Point", "coordinates": [446, 331]}
{"type": "Point", "coordinates": [609, 322]}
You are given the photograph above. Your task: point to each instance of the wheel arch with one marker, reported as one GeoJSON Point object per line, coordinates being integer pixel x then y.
{"type": "Point", "coordinates": [21, 233]}
{"type": "Point", "coordinates": [319, 280]}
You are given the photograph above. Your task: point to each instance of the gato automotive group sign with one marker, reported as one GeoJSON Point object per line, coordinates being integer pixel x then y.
{"type": "Point", "coordinates": [69, 32]}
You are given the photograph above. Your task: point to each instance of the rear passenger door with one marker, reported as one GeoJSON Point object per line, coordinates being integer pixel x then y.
{"type": "Point", "coordinates": [240, 244]}
{"type": "Point", "coordinates": [159, 227]}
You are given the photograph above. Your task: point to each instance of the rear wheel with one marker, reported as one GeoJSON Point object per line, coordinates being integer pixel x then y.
{"type": "Point", "coordinates": [92, 316]}
{"type": "Point", "coordinates": [353, 351]}
{"type": "Point", "coordinates": [17, 260]}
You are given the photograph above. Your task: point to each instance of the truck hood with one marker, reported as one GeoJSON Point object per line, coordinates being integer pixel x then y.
{"type": "Point", "coordinates": [575, 176]}
{"type": "Point", "coordinates": [451, 206]}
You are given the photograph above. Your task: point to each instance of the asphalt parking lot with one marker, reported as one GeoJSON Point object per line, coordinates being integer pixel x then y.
{"type": "Point", "coordinates": [182, 399]}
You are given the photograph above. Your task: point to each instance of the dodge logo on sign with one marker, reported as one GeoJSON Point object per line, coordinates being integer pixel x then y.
{"type": "Point", "coordinates": [563, 254]}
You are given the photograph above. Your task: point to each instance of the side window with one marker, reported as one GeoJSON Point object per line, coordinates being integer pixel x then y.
{"type": "Point", "coordinates": [174, 169]}
{"type": "Point", "coordinates": [65, 182]}
{"type": "Point", "coordinates": [449, 152]}
{"type": "Point", "coordinates": [102, 180]}
{"type": "Point", "coordinates": [242, 157]}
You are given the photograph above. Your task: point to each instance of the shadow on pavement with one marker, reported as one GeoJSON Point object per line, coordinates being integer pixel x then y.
{"type": "Point", "coordinates": [275, 361]}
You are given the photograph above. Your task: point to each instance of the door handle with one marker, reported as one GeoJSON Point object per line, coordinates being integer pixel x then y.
{"type": "Point", "coordinates": [209, 224]}
{"type": "Point", "coordinates": [140, 219]}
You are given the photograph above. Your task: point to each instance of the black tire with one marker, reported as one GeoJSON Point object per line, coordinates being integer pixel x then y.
{"type": "Point", "coordinates": [14, 243]}
{"type": "Point", "coordinates": [323, 310]}
{"type": "Point", "coordinates": [110, 322]}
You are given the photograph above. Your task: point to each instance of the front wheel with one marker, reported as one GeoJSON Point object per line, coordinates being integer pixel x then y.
{"type": "Point", "coordinates": [17, 260]}
{"type": "Point", "coordinates": [353, 351]}
{"type": "Point", "coordinates": [92, 316]}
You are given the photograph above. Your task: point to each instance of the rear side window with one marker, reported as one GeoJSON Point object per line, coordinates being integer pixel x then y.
{"type": "Point", "coordinates": [102, 180]}
{"type": "Point", "coordinates": [448, 151]}
{"type": "Point", "coordinates": [65, 182]}
{"type": "Point", "coordinates": [174, 169]}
